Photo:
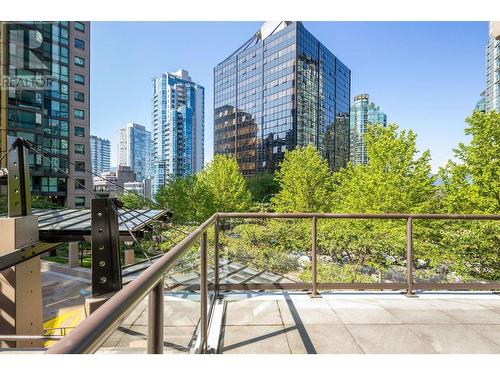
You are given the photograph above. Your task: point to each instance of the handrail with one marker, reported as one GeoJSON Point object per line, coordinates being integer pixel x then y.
{"type": "Point", "coordinates": [93, 331]}
{"type": "Point", "coordinates": [325, 215]}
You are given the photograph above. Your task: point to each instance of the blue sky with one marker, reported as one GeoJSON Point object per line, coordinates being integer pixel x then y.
{"type": "Point", "coordinates": [427, 76]}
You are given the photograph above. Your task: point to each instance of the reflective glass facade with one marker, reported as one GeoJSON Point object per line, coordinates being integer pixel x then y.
{"type": "Point", "coordinates": [38, 105]}
{"type": "Point", "coordinates": [100, 151]}
{"type": "Point", "coordinates": [280, 90]}
{"type": "Point", "coordinates": [363, 113]}
{"type": "Point", "coordinates": [178, 127]}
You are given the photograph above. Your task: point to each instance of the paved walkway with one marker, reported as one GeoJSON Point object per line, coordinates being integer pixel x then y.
{"type": "Point", "coordinates": [347, 323]}
{"type": "Point", "coordinates": [361, 323]}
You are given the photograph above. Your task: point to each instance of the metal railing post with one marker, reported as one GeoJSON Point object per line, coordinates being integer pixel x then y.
{"type": "Point", "coordinates": [216, 257]}
{"type": "Point", "coordinates": [203, 293]}
{"type": "Point", "coordinates": [155, 319]}
{"type": "Point", "coordinates": [409, 257]}
{"type": "Point", "coordinates": [314, 256]}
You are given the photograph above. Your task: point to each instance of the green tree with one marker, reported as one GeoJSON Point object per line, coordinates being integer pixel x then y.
{"type": "Point", "coordinates": [305, 181]}
{"type": "Point", "coordinates": [188, 201]}
{"type": "Point", "coordinates": [472, 183]}
{"type": "Point", "coordinates": [223, 183]}
{"type": "Point", "coordinates": [42, 203]}
{"type": "Point", "coordinates": [262, 187]}
{"type": "Point", "coordinates": [395, 179]}
{"type": "Point", "coordinates": [134, 201]}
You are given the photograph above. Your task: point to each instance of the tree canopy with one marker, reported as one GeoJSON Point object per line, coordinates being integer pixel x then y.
{"type": "Point", "coordinates": [471, 184]}
{"type": "Point", "coordinates": [225, 184]}
{"type": "Point", "coordinates": [305, 181]}
{"type": "Point", "coordinates": [396, 177]}
{"type": "Point", "coordinates": [219, 187]}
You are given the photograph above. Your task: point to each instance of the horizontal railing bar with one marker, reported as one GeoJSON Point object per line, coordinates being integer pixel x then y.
{"type": "Point", "coordinates": [30, 337]}
{"type": "Point", "coordinates": [302, 286]}
{"type": "Point", "coordinates": [324, 215]}
{"type": "Point", "coordinates": [358, 286]}
{"type": "Point", "coordinates": [457, 286]}
{"type": "Point", "coordinates": [94, 330]}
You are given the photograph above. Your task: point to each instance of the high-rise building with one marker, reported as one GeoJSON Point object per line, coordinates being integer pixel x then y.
{"type": "Point", "coordinates": [134, 149]}
{"type": "Point", "coordinates": [178, 113]}
{"type": "Point", "coordinates": [100, 152]}
{"type": "Point", "coordinates": [363, 113]}
{"type": "Point", "coordinates": [492, 92]}
{"type": "Point", "coordinates": [44, 98]}
{"type": "Point", "coordinates": [481, 105]}
{"type": "Point", "coordinates": [112, 183]}
{"type": "Point", "coordinates": [279, 90]}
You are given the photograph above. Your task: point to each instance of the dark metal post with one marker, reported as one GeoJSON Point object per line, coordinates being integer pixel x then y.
{"type": "Point", "coordinates": [314, 260]}
{"type": "Point", "coordinates": [19, 180]}
{"type": "Point", "coordinates": [155, 319]}
{"type": "Point", "coordinates": [216, 257]}
{"type": "Point", "coordinates": [203, 293]}
{"type": "Point", "coordinates": [409, 256]}
{"type": "Point", "coordinates": [106, 270]}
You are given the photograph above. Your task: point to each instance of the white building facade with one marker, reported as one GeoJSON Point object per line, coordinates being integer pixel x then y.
{"type": "Point", "coordinates": [492, 92]}
{"type": "Point", "coordinates": [134, 149]}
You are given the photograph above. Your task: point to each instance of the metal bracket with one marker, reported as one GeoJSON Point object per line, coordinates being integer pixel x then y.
{"type": "Point", "coordinates": [106, 270]}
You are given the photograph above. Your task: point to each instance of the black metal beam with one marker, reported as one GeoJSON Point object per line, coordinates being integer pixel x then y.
{"type": "Point", "coordinates": [18, 180]}
{"type": "Point", "coordinates": [25, 253]}
{"type": "Point", "coordinates": [106, 270]}
{"type": "Point", "coordinates": [80, 235]}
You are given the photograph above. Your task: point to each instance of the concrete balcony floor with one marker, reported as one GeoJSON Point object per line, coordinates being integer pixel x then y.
{"type": "Point", "coordinates": [337, 323]}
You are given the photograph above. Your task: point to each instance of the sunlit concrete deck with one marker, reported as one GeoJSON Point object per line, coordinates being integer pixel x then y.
{"type": "Point", "coordinates": [347, 323]}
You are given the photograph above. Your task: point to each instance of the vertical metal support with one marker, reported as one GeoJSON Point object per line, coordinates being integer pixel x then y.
{"type": "Point", "coordinates": [4, 72]}
{"type": "Point", "coordinates": [216, 257]}
{"type": "Point", "coordinates": [314, 258]}
{"type": "Point", "coordinates": [21, 309]}
{"type": "Point", "coordinates": [409, 257]}
{"type": "Point", "coordinates": [155, 319]}
{"type": "Point", "coordinates": [106, 270]}
{"type": "Point", "coordinates": [203, 293]}
{"type": "Point", "coordinates": [19, 180]}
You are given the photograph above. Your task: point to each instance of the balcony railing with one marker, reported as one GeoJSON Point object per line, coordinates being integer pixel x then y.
{"type": "Point", "coordinates": [93, 331]}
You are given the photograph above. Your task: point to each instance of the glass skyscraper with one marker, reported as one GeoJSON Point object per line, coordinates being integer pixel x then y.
{"type": "Point", "coordinates": [100, 153]}
{"type": "Point", "coordinates": [178, 113]}
{"type": "Point", "coordinates": [134, 149]}
{"type": "Point", "coordinates": [279, 90]}
{"type": "Point", "coordinates": [44, 98]}
{"type": "Point", "coordinates": [492, 92]}
{"type": "Point", "coordinates": [363, 113]}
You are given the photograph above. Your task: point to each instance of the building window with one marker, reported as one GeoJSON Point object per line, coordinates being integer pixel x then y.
{"type": "Point", "coordinates": [79, 114]}
{"type": "Point", "coordinates": [79, 61]}
{"type": "Point", "coordinates": [79, 131]}
{"type": "Point", "coordinates": [79, 149]}
{"type": "Point", "coordinates": [79, 96]}
{"type": "Point", "coordinates": [79, 166]}
{"type": "Point", "coordinates": [79, 184]}
{"type": "Point", "coordinates": [79, 79]}
{"type": "Point", "coordinates": [80, 44]}
{"type": "Point", "coordinates": [80, 26]}
{"type": "Point", "coordinates": [79, 201]}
